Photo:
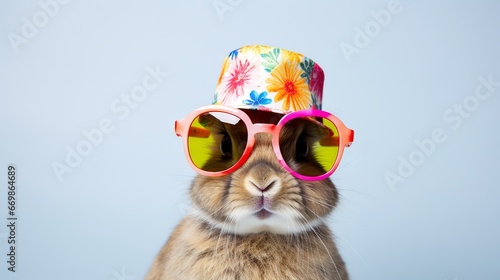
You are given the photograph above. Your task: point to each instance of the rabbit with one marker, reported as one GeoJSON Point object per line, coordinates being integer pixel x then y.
{"type": "Point", "coordinates": [259, 222]}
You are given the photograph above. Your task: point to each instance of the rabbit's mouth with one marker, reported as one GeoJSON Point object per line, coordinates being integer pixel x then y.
{"type": "Point", "coordinates": [251, 220]}
{"type": "Point", "coordinates": [263, 214]}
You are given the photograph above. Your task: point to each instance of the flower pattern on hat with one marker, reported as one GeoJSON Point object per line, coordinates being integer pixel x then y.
{"type": "Point", "coordinates": [257, 99]}
{"type": "Point", "coordinates": [316, 81]}
{"type": "Point", "coordinates": [289, 86]}
{"type": "Point", "coordinates": [272, 79]}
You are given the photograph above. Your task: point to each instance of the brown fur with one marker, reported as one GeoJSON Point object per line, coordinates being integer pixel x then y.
{"type": "Point", "coordinates": [208, 249]}
{"type": "Point", "coordinates": [196, 251]}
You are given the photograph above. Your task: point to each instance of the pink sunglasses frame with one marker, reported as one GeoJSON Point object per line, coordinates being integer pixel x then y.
{"type": "Point", "coordinates": [345, 137]}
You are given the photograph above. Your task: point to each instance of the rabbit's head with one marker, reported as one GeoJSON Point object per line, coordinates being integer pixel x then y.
{"type": "Point", "coordinates": [262, 195]}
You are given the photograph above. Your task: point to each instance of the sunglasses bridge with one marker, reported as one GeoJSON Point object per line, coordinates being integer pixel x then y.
{"type": "Point", "coordinates": [262, 128]}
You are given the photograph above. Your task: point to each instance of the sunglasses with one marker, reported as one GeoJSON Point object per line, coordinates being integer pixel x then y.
{"type": "Point", "coordinates": [219, 139]}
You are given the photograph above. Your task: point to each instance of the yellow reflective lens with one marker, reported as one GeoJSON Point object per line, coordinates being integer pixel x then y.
{"type": "Point", "coordinates": [214, 140]}
{"type": "Point", "coordinates": [310, 146]}
{"type": "Point", "coordinates": [325, 149]}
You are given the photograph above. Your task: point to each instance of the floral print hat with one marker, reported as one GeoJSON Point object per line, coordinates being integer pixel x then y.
{"type": "Point", "coordinates": [269, 79]}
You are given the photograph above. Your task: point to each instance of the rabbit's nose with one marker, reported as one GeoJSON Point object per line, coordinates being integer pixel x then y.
{"type": "Point", "coordinates": [260, 186]}
{"type": "Point", "coordinates": [263, 187]}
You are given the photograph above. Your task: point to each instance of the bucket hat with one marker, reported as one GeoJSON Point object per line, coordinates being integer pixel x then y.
{"type": "Point", "coordinates": [269, 79]}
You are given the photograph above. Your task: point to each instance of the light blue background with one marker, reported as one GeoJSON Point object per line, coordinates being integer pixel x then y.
{"type": "Point", "coordinates": [109, 217]}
